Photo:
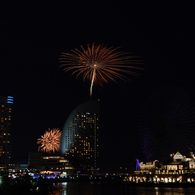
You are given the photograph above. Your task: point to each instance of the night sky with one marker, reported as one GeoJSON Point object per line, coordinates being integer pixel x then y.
{"type": "Point", "coordinates": [32, 38]}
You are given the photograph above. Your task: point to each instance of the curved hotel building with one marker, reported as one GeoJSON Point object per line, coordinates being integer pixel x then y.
{"type": "Point", "coordinates": [80, 136]}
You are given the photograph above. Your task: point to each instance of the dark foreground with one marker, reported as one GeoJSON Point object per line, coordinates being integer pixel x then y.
{"type": "Point", "coordinates": [27, 186]}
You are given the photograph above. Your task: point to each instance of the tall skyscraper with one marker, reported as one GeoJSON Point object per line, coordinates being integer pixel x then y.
{"type": "Point", "coordinates": [80, 136]}
{"type": "Point", "coordinates": [6, 104]}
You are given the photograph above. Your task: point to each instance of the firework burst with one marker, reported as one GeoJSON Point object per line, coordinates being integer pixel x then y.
{"type": "Point", "coordinates": [49, 142]}
{"type": "Point", "coordinates": [100, 64]}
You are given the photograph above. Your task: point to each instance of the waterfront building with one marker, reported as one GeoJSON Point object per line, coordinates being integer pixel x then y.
{"type": "Point", "coordinates": [6, 103]}
{"type": "Point", "coordinates": [178, 168]}
{"type": "Point", "coordinates": [80, 137]}
{"type": "Point", "coordinates": [177, 162]}
{"type": "Point", "coordinates": [41, 162]}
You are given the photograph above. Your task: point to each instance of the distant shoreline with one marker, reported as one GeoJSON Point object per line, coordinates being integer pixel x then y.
{"type": "Point", "coordinates": [148, 184]}
{"type": "Point", "coordinates": [133, 184]}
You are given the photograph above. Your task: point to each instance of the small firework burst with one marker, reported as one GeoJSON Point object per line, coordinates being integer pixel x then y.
{"type": "Point", "coordinates": [50, 141]}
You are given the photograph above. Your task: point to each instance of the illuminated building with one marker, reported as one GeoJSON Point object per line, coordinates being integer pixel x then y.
{"type": "Point", "coordinates": [177, 162]}
{"type": "Point", "coordinates": [6, 104]}
{"type": "Point", "coordinates": [39, 161]}
{"type": "Point", "coordinates": [177, 169]}
{"type": "Point", "coordinates": [80, 136]}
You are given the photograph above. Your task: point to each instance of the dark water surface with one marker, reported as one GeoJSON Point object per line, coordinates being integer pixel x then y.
{"type": "Point", "coordinates": [95, 188]}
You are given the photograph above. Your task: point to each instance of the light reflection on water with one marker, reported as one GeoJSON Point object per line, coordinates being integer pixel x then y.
{"type": "Point", "coordinates": [97, 188]}
{"type": "Point", "coordinates": [61, 188]}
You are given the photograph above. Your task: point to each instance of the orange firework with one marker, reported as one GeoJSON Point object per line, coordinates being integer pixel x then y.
{"type": "Point", "coordinates": [100, 64]}
{"type": "Point", "coordinates": [49, 142]}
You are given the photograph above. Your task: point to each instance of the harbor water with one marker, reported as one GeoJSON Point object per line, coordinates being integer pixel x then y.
{"type": "Point", "coordinates": [99, 188]}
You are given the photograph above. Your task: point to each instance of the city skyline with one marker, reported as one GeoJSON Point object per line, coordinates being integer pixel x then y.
{"type": "Point", "coordinates": [44, 95]}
